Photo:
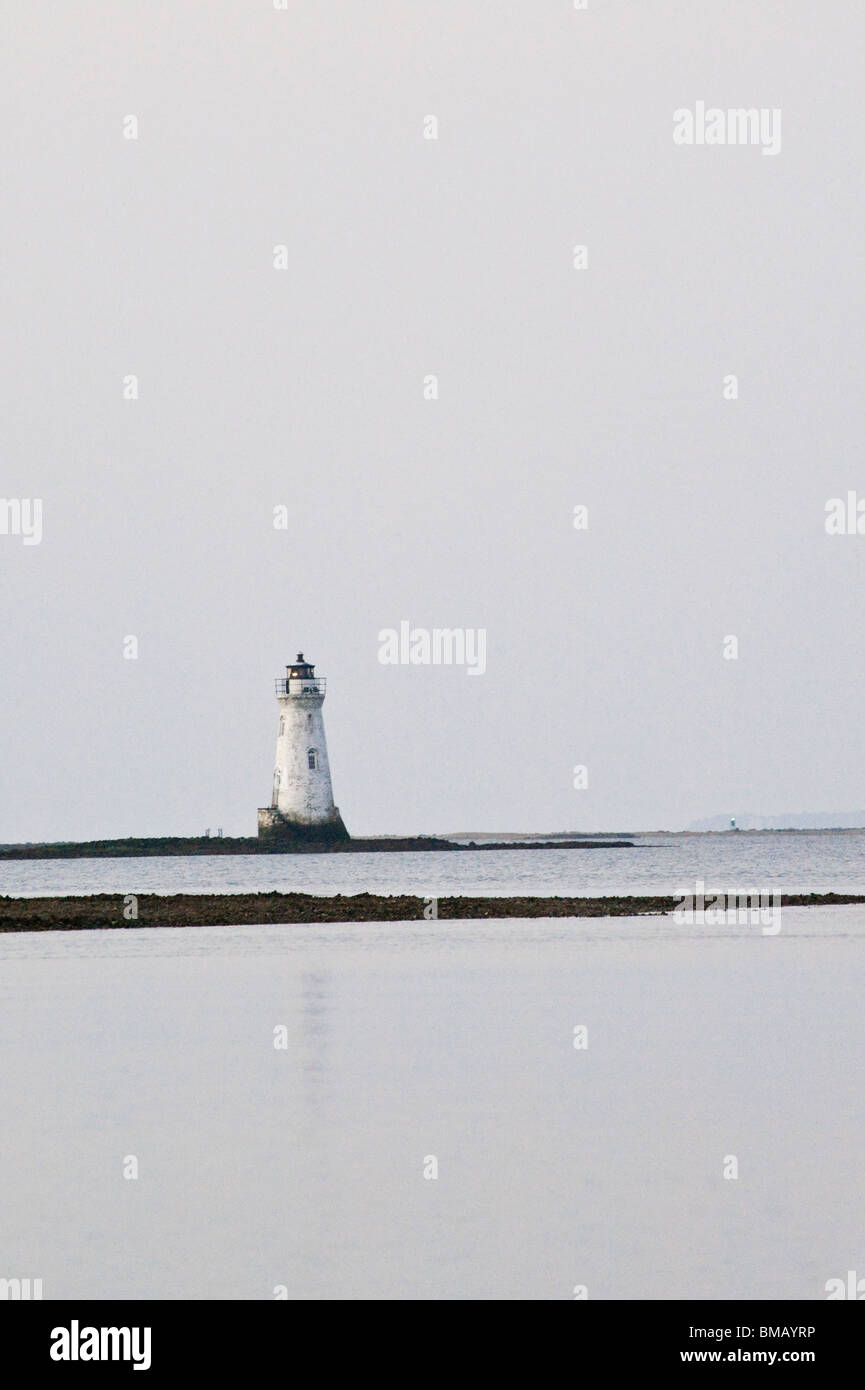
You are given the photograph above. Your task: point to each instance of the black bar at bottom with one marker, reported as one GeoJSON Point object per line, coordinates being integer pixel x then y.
{"type": "Point", "coordinates": [171, 1338]}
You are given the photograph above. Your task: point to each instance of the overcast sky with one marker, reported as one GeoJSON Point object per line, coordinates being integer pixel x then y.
{"type": "Point", "coordinates": [304, 388]}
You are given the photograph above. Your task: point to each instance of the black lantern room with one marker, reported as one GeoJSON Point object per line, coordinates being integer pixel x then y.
{"type": "Point", "coordinates": [300, 670]}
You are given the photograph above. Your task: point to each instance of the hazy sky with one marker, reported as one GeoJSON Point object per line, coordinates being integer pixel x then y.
{"type": "Point", "coordinates": [303, 387]}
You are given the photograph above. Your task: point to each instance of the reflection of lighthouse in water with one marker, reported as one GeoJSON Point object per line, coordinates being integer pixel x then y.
{"type": "Point", "coordinates": [302, 802]}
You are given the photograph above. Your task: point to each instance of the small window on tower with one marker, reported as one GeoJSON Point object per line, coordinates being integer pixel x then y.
{"type": "Point", "coordinates": [282, 725]}
{"type": "Point", "coordinates": [312, 758]}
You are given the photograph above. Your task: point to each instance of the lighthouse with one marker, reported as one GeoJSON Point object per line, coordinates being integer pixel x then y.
{"type": "Point", "coordinates": [301, 807]}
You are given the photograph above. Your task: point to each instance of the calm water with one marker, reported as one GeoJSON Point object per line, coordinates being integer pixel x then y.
{"type": "Point", "coordinates": [303, 1166]}
{"type": "Point", "coordinates": [818, 862]}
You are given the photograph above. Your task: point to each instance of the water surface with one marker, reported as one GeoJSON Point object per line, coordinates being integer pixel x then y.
{"type": "Point", "coordinates": [303, 1167]}
{"type": "Point", "coordinates": [795, 863]}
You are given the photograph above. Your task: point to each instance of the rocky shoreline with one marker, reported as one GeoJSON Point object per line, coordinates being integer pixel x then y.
{"type": "Point", "coordinates": [105, 911]}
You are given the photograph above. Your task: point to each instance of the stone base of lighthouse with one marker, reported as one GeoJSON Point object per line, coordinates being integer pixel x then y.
{"type": "Point", "coordinates": [277, 830]}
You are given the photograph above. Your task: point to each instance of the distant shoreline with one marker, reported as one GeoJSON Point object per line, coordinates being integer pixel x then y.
{"type": "Point", "coordinates": [105, 911]}
{"type": "Point", "coordinates": [217, 845]}
{"type": "Point", "coordinates": [142, 847]}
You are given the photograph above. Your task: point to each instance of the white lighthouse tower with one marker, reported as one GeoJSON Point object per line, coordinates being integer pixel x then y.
{"type": "Point", "coordinates": [302, 806]}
